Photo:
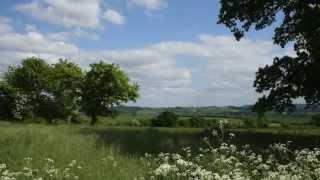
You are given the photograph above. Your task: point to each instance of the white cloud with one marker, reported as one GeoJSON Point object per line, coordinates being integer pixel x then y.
{"type": "Point", "coordinates": [15, 46]}
{"type": "Point", "coordinates": [4, 25]}
{"type": "Point", "coordinates": [69, 35]}
{"type": "Point", "coordinates": [63, 36]}
{"type": "Point", "coordinates": [114, 17]}
{"type": "Point", "coordinates": [31, 28]}
{"type": "Point", "coordinates": [69, 13]}
{"type": "Point", "coordinates": [34, 42]}
{"type": "Point", "coordinates": [149, 5]}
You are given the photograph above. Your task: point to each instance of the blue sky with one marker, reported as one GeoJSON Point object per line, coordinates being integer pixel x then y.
{"type": "Point", "coordinates": [174, 49]}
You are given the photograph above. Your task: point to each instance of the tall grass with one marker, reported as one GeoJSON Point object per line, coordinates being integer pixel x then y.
{"type": "Point", "coordinates": [63, 144]}
{"type": "Point", "coordinates": [114, 152]}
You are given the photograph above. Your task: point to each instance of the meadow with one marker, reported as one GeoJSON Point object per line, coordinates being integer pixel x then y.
{"type": "Point", "coordinates": [68, 151]}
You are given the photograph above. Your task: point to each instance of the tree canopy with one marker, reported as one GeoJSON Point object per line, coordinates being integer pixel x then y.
{"type": "Point", "coordinates": [106, 86]}
{"type": "Point", "coordinates": [288, 77]}
{"type": "Point", "coordinates": [165, 119]}
{"type": "Point", "coordinates": [61, 90]}
{"type": "Point", "coordinates": [65, 83]}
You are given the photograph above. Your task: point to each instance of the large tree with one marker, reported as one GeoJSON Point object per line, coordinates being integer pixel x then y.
{"type": "Point", "coordinates": [65, 84]}
{"type": "Point", "coordinates": [52, 90]}
{"type": "Point", "coordinates": [32, 79]}
{"type": "Point", "coordinates": [298, 24]}
{"type": "Point", "coordinates": [105, 87]}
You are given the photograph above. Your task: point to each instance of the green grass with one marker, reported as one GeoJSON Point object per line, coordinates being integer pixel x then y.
{"type": "Point", "coordinates": [64, 143]}
{"type": "Point", "coordinates": [89, 145]}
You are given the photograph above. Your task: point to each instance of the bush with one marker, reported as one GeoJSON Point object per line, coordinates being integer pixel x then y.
{"type": "Point", "coordinates": [210, 123]}
{"type": "Point", "coordinates": [184, 123]}
{"type": "Point", "coordinates": [196, 121]}
{"type": "Point", "coordinates": [315, 119]}
{"type": "Point", "coordinates": [165, 119]}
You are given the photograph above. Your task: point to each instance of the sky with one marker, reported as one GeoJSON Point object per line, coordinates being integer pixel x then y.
{"type": "Point", "coordinates": [174, 49]}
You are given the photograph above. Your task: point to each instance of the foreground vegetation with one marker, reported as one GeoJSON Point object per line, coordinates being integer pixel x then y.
{"type": "Point", "coordinates": [53, 148]}
{"type": "Point", "coordinates": [35, 151]}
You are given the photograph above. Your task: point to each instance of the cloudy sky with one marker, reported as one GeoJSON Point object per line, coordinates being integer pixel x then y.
{"type": "Point", "coordinates": [174, 49]}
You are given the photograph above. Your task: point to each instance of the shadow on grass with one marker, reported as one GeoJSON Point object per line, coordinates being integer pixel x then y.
{"type": "Point", "coordinates": [146, 140]}
{"type": "Point", "coordinates": [262, 140]}
{"type": "Point", "coordinates": [137, 141]}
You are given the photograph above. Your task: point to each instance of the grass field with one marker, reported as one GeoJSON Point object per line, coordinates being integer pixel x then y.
{"type": "Point", "coordinates": [64, 143]}
{"type": "Point", "coordinates": [114, 152]}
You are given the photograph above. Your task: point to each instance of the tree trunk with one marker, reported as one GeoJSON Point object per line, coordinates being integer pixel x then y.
{"type": "Point", "coordinates": [94, 120]}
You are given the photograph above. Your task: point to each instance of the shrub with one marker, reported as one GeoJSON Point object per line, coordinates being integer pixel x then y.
{"type": "Point", "coordinates": [165, 119]}
{"type": "Point", "coordinates": [196, 121]}
{"type": "Point", "coordinates": [210, 123]}
{"type": "Point", "coordinates": [184, 123]}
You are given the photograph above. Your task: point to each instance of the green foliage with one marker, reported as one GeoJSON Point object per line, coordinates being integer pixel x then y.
{"type": "Point", "coordinates": [196, 121]}
{"type": "Point", "coordinates": [165, 119]}
{"type": "Point", "coordinates": [49, 108]}
{"type": "Point", "coordinates": [182, 122]}
{"type": "Point", "coordinates": [201, 122]}
{"type": "Point", "coordinates": [66, 82]}
{"type": "Point", "coordinates": [211, 123]}
{"type": "Point", "coordinates": [105, 87]}
{"type": "Point", "coordinates": [8, 97]}
{"type": "Point", "coordinates": [55, 91]}
{"type": "Point", "coordinates": [52, 91]}
{"type": "Point", "coordinates": [288, 77]}
{"type": "Point", "coordinates": [31, 78]}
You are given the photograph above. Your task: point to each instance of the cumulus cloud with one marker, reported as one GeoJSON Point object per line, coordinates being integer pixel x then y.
{"type": "Point", "coordinates": [221, 71]}
{"type": "Point", "coordinates": [149, 5]}
{"type": "Point", "coordinates": [15, 46]}
{"type": "Point", "coordinates": [4, 25]}
{"type": "Point", "coordinates": [69, 13]}
{"type": "Point", "coordinates": [34, 42]}
{"type": "Point", "coordinates": [70, 35]}
{"type": "Point", "coordinates": [114, 17]}
{"type": "Point", "coordinates": [227, 68]}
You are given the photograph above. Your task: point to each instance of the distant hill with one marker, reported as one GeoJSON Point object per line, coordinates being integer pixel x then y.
{"type": "Point", "coordinates": [206, 110]}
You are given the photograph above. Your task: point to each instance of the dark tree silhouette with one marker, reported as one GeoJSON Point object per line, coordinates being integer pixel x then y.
{"type": "Point", "coordinates": [165, 119]}
{"type": "Point", "coordinates": [288, 77]}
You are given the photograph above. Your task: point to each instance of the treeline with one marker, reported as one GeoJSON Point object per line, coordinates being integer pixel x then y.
{"type": "Point", "coordinates": [63, 90]}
